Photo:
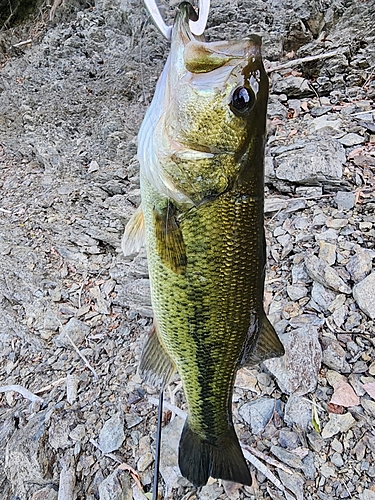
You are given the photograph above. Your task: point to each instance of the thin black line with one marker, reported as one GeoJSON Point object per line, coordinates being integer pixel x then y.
{"type": "Point", "coordinates": [157, 446]}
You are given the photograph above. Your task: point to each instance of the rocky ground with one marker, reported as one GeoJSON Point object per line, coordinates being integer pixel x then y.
{"type": "Point", "coordinates": [76, 422]}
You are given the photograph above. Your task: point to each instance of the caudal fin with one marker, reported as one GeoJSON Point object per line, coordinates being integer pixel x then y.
{"type": "Point", "coordinates": [199, 459]}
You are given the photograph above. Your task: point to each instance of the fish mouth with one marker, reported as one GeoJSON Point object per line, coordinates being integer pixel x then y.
{"type": "Point", "coordinates": [200, 56]}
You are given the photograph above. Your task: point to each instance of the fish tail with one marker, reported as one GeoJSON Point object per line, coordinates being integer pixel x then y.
{"type": "Point", "coordinates": [199, 459]}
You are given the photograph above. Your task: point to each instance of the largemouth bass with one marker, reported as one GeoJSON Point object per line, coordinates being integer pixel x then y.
{"type": "Point", "coordinates": [201, 154]}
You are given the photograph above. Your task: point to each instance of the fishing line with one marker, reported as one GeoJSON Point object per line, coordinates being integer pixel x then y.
{"type": "Point", "coordinates": [157, 446]}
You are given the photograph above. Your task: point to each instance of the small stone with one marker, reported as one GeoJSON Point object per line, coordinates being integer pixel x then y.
{"type": "Point", "coordinates": [326, 470]}
{"type": "Point", "coordinates": [334, 356]}
{"type": "Point", "coordinates": [367, 495]}
{"type": "Point", "coordinates": [145, 461]}
{"type": "Point", "coordinates": [360, 265]}
{"type": "Point", "coordinates": [132, 420]}
{"type": "Point", "coordinates": [337, 423]}
{"type": "Point", "coordinates": [352, 139]}
{"type": "Point", "coordinates": [116, 487]}
{"type": "Point", "coordinates": [211, 491]}
{"type": "Point", "coordinates": [369, 406]}
{"type": "Point", "coordinates": [337, 460]}
{"type": "Point", "coordinates": [327, 252]}
{"type": "Point", "coordinates": [336, 223]}
{"type": "Point", "coordinates": [345, 200]}
{"type": "Point", "coordinates": [297, 411]}
{"type": "Point", "coordinates": [297, 371]}
{"type": "Point", "coordinates": [329, 123]}
{"type": "Point", "coordinates": [321, 272]}
{"type": "Point", "coordinates": [45, 494]}
{"type": "Point", "coordinates": [371, 369]}
{"type": "Point", "coordinates": [112, 434]}
{"type": "Point", "coordinates": [287, 457]}
{"type": "Point", "coordinates": [259, 412]}
{"type": "Point", "coordinates": [363, 293]}
{"type": "Point", "coordinates": [294, 482]}
{"type": "Point", "coordinates": [288, 439]}
{"type": "Point", "coordinates": [337, 446]}
{"type": "Point", "coordinates": [296, 292]}
{"type": "Point", "coordinates": [292, 86]}
{"type": "Point", "coordinates": [77, 332]}
{"type": "Point", "coordinates": [322, 296]}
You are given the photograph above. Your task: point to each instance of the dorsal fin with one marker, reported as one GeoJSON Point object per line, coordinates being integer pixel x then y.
{"type": "Point", "coordinates": [134, 236]}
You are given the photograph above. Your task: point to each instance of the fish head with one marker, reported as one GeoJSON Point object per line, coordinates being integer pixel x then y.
{"type": "Point", "coordinates": [210, 116]}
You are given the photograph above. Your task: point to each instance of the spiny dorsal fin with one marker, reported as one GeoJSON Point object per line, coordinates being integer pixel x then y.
{"type": "Point", "coordinates": [267, 345]}
{"type": "Point", "coordinates": [156, 367]}
{"type": "Point", "coordinates": [170, 242]}
{"type": "Point", "coordinates": [134, 236]}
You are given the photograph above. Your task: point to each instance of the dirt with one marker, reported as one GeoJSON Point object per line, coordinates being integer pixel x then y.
{"type": "Point", "coordinates": [73, 93]}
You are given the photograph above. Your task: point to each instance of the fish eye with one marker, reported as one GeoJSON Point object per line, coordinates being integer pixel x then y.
{"type": "Point", "coordinates": [243, 100]}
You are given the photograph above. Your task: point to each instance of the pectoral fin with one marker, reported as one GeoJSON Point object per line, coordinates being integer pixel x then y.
{"type": "Point", "coordinates": [266, 346]}
{"type": "Point", "coordinates": [170, 242]}
{"type": "Point", "coordinates": [156, 367]}
{"type": "Point", "coordinates": [134, 236]}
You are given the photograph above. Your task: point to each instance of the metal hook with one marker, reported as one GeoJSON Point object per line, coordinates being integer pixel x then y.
{"type": "Point", "coordinates": [196, 27]}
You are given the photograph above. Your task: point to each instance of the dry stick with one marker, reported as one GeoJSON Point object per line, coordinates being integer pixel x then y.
{"type": "Point", "coordinates": [82, 356]}
{"type": "Point", "coordinates": [23, 391]}
{"type": "Point", "coordinates": [262, 468]}
{"type": "Point", "coordinates": [269, 460]}
{"type": "Point", "coordinates": [294, 62]}
{"type": "Point", "coordinates": [51, 385]}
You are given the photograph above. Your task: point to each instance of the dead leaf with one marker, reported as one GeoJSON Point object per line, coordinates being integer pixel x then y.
{"type": "Point", "coordinates": [355, 152]}
{"type": "Point", "coordinates": [344, 395]}
{"type": "Point", "coordinates": [370, 389]}
{"type": "Point", "coordinates": [332, 408]}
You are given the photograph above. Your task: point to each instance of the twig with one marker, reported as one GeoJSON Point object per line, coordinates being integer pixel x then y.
{"type": "Point", "coordinates": [269, 460]}
{"type": "Point", "coordinates": [168, 406]}
{"type": "Point", "coordinates": [82, 356]}
{"type": "Point", "coordinates": [51, 386]}
{"type": "Point", "coordinates": [21, 44]}
{"type": "Point", "coordinates": [23, 391]}
{"type": "Point", "coordinates": [294, 62]}
{"type": "Point", "coordinates": [67, 483]}
{"type": "Point", "coordinates": [262, 468]}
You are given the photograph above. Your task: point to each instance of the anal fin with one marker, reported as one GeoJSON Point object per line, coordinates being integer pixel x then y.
{"type": "Point", "coordinates": [134, 236]}
{"type": "Point", "coordinates": [156, 367]}
{"type": "Point", "coordinates": [170, 243]}
{"type": "Point", "coordinates": [266, 346]}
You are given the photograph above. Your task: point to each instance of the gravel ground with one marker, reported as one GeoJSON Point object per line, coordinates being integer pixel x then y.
{"type": "Point", "coordinates": [76, 422]}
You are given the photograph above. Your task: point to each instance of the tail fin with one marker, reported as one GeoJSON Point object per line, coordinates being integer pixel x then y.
{"type": "Point", "coordinates": [199, 459]}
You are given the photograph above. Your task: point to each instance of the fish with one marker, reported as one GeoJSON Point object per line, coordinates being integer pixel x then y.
{"type": "Point", "coordinates": [201, 154]}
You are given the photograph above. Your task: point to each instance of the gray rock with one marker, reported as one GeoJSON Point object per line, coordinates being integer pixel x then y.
{"type": "Point", "coordinates": [294, 482]}
{"type": "Point", "coordinates": [211, 492]}
{"type": "Point", "coordinates": [297, 371]}
{"type": "Point", "coordinates": [45, 494]}
{"type": "Point", "coordinates": [327, 252]}
{"type": "Point", "coordinates": [319, 271]}
{"type": "Point", "coordinates": [169, 454]}
{"type": "Point", "coordinates": [116, 487]}
{"type": "Point", "coordinates": [337, 423]}
{"type": "Point", "coordinates": [77, 331]}
{"type": "Point", "coordinates": [287, 457]}
{"type": "Point", "coordinates": [367, 495]}
{"type": "Point", "coordinates": [345, 200]}
{"type": "Point", "coordinates": [334, 356]}
{"type": "Point", "coordinates": [322, 296]}
{"type": "Point", "coordinates": [352, 139]}
{"type": "Point", "coordinates": [288, 439]}
{"type": "Point", "coordinates": [259, 412]}
{"type": "Point", "coordinates": [337, 460]}
{"type": "Point", "coordinates": [112, 434]}
{"type": "Point", "coordinates": [297, 412]}
{"type": "Point", "coordinates": [326, 123]}
{"type": "Point", "coordinates": [318, 162]}
{"type": "Point", "coordinates": [292, 86]}
{"type": "Point", "coordinates": [296, 292]}
{"type": "Point", "coordinates": [364, 293]}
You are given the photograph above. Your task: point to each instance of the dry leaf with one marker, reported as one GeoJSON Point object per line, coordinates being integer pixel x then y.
{"type": "Point", "coordinates": [344, 395]}
{"type": "Point", "coordinates": [370, 389]}
{"type": "Point", "coordinates": [332, 408]}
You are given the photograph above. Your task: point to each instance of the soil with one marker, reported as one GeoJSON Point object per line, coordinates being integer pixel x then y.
{"type": "Point", "coordinates": [75, 83]}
